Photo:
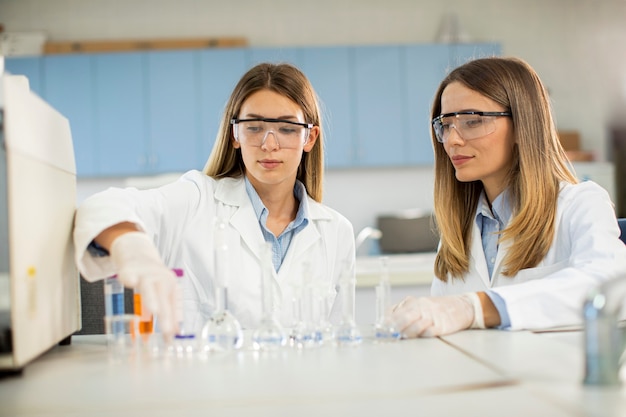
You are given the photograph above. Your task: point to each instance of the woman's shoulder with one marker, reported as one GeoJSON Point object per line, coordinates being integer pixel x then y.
{"type": "Point", "coordinates": [204, 180]}
{"type": "Point", "coordinates": [582, 190]}
{"type": "Point", "coordinates": [320, 211]}
{"type": "Point", "coordinates": [196, 176]}
{"type": "Point", "coordinates": [586, 198]}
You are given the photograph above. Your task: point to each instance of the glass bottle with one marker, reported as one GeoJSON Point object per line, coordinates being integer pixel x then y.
{"type": "Point", "coordinates": [222, 331]}
{"type": "Point", "coordinates": [270, 334]}
{"type": "Point", "coordinates": [348, 334]}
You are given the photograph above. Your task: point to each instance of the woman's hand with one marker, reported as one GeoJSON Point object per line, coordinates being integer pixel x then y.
{"type": "Point", "coordinates": [139, 265]}
{"type": "Point", "coordinates": [436, 316]}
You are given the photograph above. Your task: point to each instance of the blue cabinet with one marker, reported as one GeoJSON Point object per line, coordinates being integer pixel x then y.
{"type": "Point", "coordinates": [68, 85]}
{"type": "Point", "coordinates": [426, 66]}
{"type": "Point", "coordinates": [28, 66]}
{"type": "Point", "coordinates": [289, 55]}
{"type": "Point", "coordinates": [142, 113]}
{"type": "Point", "coordinates": [220, 70]}
{"type": "Point", "coordinates": [121, 123]}
{"type": "Point", "coordinates": [172, 105]}
{"type": "Point", "coordinates": [329, 70]}
{"type": "Point", "coordinates": [378, 105]}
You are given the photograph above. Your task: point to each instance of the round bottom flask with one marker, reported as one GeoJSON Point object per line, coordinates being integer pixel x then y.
{"type": "Point", "coordinates": [269, 336]}
{"type": "Point", "coordinates": [222, 332]}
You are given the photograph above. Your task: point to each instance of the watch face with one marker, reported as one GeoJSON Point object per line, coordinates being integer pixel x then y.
{"type": "Point", "coordinates": [96, 250]}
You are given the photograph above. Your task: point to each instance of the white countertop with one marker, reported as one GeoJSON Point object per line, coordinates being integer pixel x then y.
{"type": "Point", "coordinates": [549, 365]}
{"type": "Point", "coordinates": [472, 373]}
{"type": "Point", "coordinates": [404, 269]}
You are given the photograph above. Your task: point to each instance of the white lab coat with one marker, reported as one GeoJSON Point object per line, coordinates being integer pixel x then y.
{"type": "Point", "coordinates": [179, 218]}
{"type": "Point", "coordinates": [585, 252]}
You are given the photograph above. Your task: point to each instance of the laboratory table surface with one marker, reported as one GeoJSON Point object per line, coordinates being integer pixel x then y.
{"type": "Point", "coordinates": [472, 373]}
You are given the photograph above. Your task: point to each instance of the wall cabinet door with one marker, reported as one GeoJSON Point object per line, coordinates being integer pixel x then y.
{"type": "Point", "coordinates": [121, 144]}
{"type": "Point", "coordinates": [328, 69]}
{"type": "Point", "coordinates": [426, 66]}
{"type": "Point", "coordinates": [378, 103]}
{"type": "Point", "coordinates": [142, 113]}
{"type": "Point", "coordinates": [289, 55]}
{"type": "Point", "coordinates": [172, 104]}
{"type": "Point", "coordinates": [68, 85]}
{"type": "Point", "coordinates": [220, 70]}
{"type": "Point", "coordinates": [28, 66]}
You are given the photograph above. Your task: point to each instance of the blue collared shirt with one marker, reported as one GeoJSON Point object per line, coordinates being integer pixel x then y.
{"type": "Point", "coordinates": [490, 221]}
{"type": "Point", "coordinates": [280, 244]}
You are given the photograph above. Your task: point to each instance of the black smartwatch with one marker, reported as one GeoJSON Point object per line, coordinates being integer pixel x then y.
{"type": "Point", "coordinates": [96, 250]}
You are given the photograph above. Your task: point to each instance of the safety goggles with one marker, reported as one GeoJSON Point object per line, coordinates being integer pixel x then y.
{"type": "Point", "coordinates": [468, 124]}
{"type": "Point", "coordinates": [254, 132]}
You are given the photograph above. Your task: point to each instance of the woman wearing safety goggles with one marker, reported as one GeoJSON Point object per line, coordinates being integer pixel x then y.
{"type": "Point", "coordinates": [522, 242]}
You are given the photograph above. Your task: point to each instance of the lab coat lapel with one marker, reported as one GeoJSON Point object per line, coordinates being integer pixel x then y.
{"type": "Point", "coordinates": [477, 257]}
{"type": "Point", "coordinates": [503, 249]}
{"type": "Point", "coordinates": [232, 192]}
{"type": "Point", "coordinates": [303, 244]}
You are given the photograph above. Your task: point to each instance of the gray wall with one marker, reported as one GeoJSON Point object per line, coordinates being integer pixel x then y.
{"type": "Point", "coordinates": [577, 47]}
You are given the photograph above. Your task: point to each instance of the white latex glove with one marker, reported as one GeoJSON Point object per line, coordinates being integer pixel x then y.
{"type": "Point", "coordinates": [436, 316]}
{"type": "Point", "coordinates": [139, 265]}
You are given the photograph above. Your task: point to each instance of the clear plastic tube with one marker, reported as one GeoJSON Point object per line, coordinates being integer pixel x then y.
{"type": "Point", "coordinates": [270, 334]}
{"type": "Point", "coordinates": [222, 331]}
{"type": "Point", "coordinates": [113, 305]}
{"type": "Point", "coordinates": [384, 328]}
{"type": "Point", "coordinates": [113, 297]}
{"type": "Point", "coordinates": [324, 330]}
{"type": "Point", "coordinates": [348, 334]}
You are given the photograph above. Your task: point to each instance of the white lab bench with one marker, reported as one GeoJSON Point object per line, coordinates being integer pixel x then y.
{"type": "Point", "coordinates": [409, 274]}
{"type": "Point", "coordinates": [549, 365]}
{"type": "Point", "coordinates": [472, 373]}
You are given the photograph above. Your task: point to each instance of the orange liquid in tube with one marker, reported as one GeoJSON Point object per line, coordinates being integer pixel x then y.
{"type": "Point", "coordinates": [146, 322]}
{"type": "Point", "coordinates": [146, 319]}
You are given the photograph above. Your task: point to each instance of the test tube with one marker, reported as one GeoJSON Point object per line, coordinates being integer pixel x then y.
{"type": "Point", "coordinates": [325, 332]}
{"type": "Point", "coordinates": [303, 333]}
{"type": "Point", "coordinates": [222, 330]}
{"type": "Point", "coordinates": [113, 296]}
{"type": "Point", "coordinates": [145, 324]}
{"type": "Point", "coordinates": [384, 329]}
{"type": "Point", "coordinates": [270, 334]}
{"type": "Point", "coordinates": [146, 318]}
{"type": "Point", "coordinates": [183, 328]}
{"type": "Point", "coordinates": [348, 334]}
{"type": "Point", "coordinates": [113, 304]}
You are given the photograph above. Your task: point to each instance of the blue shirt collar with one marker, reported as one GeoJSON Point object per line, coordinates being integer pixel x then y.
{"type": "Point", "coordinates": [302, 216]}
{"type": "Point", "coordinates": [500, 209]}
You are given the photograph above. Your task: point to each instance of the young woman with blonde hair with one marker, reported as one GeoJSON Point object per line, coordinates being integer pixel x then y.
{"type": "Point", "coordinates": [522, 242]}
{"type": "Point", "coordinates": [264, 178]}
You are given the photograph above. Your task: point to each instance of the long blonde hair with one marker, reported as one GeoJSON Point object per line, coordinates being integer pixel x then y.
{"type": "Point", "coordinates": [539, 165]}
{"type": "Point", "coordinates": [289, 81]}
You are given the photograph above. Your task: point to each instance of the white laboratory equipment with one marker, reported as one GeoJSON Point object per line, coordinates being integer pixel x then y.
{"type": "Point", "coordinates": [39, 282]}
{"type": "Point", "coordinates": [348, 333]}
{"type": "Point", "coordinates": [270, 334]}
{"type": "Point", "coordinates": [113, 305]}
{"type": "Point", "coordinates": [384, 328]}
{"type": "Point", "coordinates": [302, 334]}
{"type": "Point", "coordinates": [222, 330]}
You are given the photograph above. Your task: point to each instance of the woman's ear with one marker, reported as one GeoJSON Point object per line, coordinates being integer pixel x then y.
{"type": "Point", "coordinates": [234, 142]}
{"type": "Point", "coordinates": [313, 135]}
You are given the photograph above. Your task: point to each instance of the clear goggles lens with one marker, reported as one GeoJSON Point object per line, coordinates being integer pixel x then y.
{"type": "Point", "coordinates": [289, 135]}
{"type": "Point", "coordinates": [467, 126]}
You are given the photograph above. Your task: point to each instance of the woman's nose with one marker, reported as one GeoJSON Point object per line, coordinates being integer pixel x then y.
{"type": "Point", "coordinates": [454, 138]}
{"type": "Point", "coordinates": [272, 144]}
